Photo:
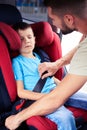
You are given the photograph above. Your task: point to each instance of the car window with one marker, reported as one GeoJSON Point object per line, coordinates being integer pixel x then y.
{"type": "Point", "coordinates": [32, 10]}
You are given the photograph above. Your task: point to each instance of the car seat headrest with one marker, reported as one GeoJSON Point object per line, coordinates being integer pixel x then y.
{"type": "Point", "coordinates": [9, 14]}
{"type": "Point", "coordinates": [10, 36]}
{"type": "Point", "coordinates": [43, 32]}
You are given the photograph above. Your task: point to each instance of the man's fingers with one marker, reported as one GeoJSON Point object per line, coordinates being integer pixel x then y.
{"type": "Point", "coordinates": [41, 70]}
{"type": "Point", "coordinates": [45, 75]}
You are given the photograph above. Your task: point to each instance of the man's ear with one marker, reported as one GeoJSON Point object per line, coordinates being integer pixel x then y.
{"type": "Point", "coordinates": [69, 20]}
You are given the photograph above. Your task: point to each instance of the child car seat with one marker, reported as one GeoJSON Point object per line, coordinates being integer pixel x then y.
{"type": "Point", "coordinates": [6, 73]}
{"type": "Point", "coordinates": [7, 81]}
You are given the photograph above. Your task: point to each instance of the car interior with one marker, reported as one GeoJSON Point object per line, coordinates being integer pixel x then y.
{"type": "Point", "coordinates": [9, 44]}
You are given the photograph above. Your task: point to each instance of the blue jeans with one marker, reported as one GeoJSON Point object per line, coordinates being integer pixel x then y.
{"type": "Point", "coordinates": [63, 118]}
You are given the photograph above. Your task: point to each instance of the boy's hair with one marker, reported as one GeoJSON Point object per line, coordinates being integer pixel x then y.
{"type": "Point", "coordinates": [21, 25]}
{"type": "Point", "coordinates": [77, 7]}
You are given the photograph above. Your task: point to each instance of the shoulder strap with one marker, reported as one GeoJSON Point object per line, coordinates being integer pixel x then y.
{"type": "Point", "coordinates": [41, 82]}
{"type": "Point", "coordinates": [43, 55]}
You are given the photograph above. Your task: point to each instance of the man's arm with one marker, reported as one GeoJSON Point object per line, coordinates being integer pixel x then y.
{"type": "Point", "coordinates": [52, 67]}
{"type": "Point", "coordinates": [49, 103]}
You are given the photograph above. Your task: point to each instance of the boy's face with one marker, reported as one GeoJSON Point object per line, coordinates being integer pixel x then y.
{"type": "Point", "coordinates": [27, 40]}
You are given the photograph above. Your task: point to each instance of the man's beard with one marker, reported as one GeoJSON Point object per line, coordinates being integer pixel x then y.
{"type": "Point", "coordinates": [66, 30]}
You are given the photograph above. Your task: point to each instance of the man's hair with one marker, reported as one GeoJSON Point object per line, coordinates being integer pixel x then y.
{"type": "Point", "coordinates": [21, 26]}
{"type": "Point", "coordinates": [77, 7]}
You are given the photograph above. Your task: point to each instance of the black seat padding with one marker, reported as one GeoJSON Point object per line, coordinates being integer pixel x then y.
{"type": "Point", "coordinates": [9, 14]}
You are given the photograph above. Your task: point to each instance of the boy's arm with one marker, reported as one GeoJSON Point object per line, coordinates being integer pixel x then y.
{"type": "Point", "coordinates": [27, 94]}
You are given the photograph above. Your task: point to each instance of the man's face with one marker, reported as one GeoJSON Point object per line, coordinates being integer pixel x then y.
{"type": "Point", "coordinates": [59, 22]}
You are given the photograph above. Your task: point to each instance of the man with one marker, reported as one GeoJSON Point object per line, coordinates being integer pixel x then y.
{"type": "Point", "coordinates": [68, 15]}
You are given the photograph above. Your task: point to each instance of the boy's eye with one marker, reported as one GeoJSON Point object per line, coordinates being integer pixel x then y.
{"type": "Point", "coordinates": [29, 37]}
{"type": "Point", "coordinates": [22, 39]}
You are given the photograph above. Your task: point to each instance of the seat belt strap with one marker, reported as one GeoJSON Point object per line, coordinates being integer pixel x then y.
{"type": "Point", "coordinates": [41, 82]}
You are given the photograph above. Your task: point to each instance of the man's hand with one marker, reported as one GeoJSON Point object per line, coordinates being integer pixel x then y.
{"type": "Point", "coordinates": [12, 122]}
{"type": "Point", "coordinates": [50, 67]}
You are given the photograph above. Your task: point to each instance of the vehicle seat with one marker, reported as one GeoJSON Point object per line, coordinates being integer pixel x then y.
{"type": "Point", "coordinates": [10, 43]}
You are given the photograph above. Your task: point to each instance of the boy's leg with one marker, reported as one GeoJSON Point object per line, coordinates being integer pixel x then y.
{"type": "Point", "coordinates": [63, 118]}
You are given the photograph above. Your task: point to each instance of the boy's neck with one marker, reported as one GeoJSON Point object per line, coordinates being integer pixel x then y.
{"type": "Point", "coordinates": [31, 55]}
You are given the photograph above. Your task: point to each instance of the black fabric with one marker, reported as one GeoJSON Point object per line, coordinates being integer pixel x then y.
{"type": "Point", "coordinates": [32, 128]}
{"type": "Point", "coordinates": [44, 57]}
{"type": "Point", "coordinates": [40, 84]}
{"type": "Point", "coordinates": [79, 122]}
{"type": "Point", "coordinates": [19, 105]}
{"type": "Point", "coordinates": [23, 126]}
{"type": "Point", "coordinates": [5, 102]}
{"type": "Point", "coordinates": [9, 14]}
{"type": "Point", "coordinates": [3, 128]}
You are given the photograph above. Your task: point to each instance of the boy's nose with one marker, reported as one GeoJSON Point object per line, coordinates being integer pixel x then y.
{"type": "Point", "coordinates": [27, 40]}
